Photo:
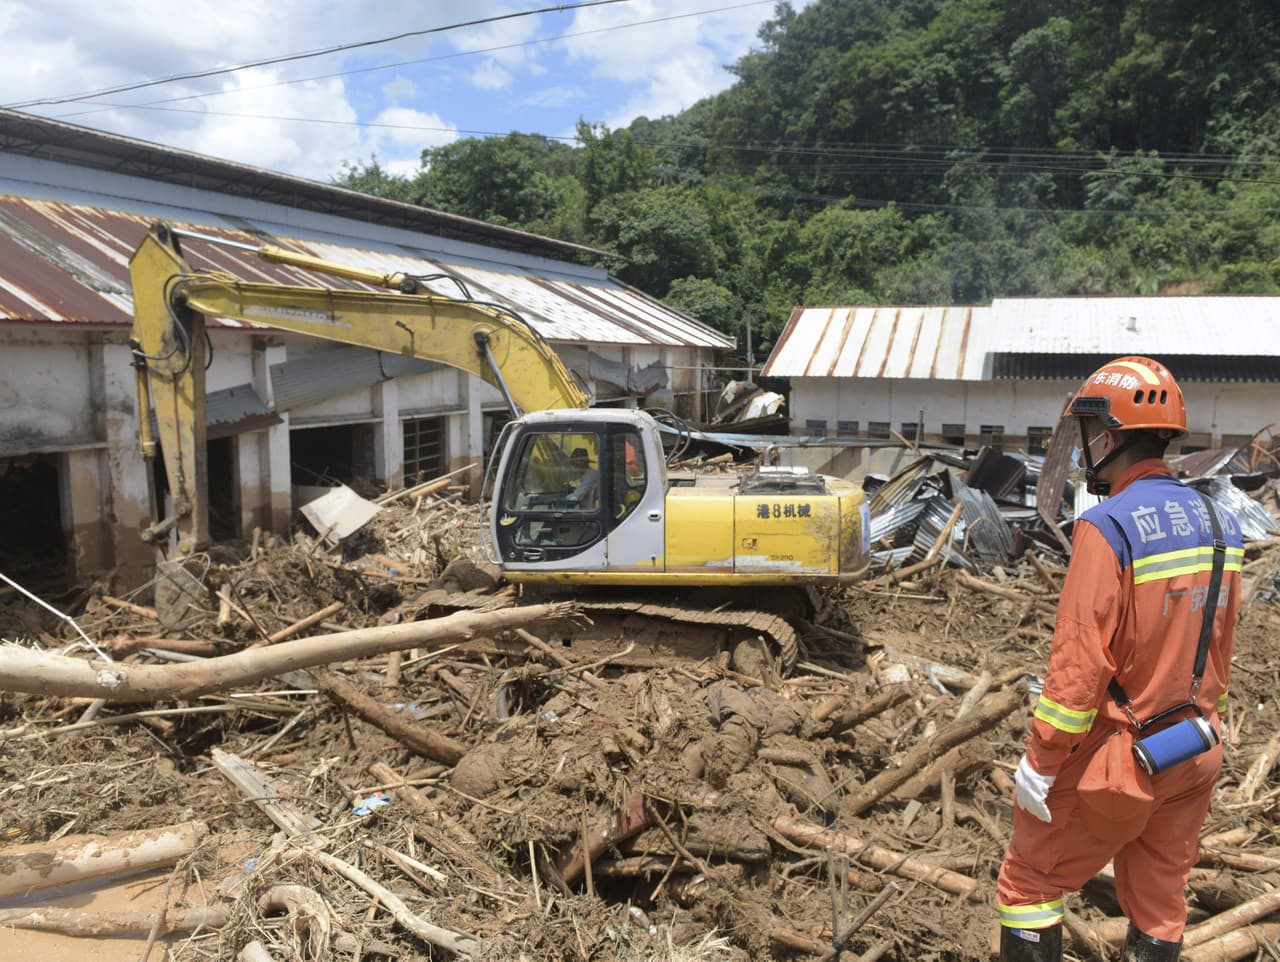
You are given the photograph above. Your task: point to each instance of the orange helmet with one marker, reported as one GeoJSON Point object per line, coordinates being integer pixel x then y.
{"type": "Point", "coordinates": [1132, 394]}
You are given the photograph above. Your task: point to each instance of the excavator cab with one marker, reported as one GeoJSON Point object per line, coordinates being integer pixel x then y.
{"type": "Point", "coordinates": [565, 486]}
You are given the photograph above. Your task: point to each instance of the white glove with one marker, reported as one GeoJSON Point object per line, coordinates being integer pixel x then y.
{"type": "Point", "coordinates": [1032, 790]}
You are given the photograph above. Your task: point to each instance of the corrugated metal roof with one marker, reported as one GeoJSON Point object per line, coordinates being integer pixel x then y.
{"type": "Point", "coordinates": [881, 342]}
{"type": "Point", "coordinates": [69, 263]}
{"type": "Point", "coordinates": [1201, 338]}
{"type": "Point", "coordinates": [1114, 326]}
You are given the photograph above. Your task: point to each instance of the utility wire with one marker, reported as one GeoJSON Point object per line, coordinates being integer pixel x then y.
{"type": "Point", "coordinates": [304, 55]}
{"type": "Point", "coordinates": [879, 162]}
{"type": "Point", "coordinates": [421, 60]}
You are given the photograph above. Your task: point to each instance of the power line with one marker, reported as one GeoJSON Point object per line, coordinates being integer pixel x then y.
{"type": "Point", "coordinates": [304, 55]}
{"type": "Point", "coordinates": [878, 162]}
{"type": "Point", "coordinates": [355, 71]}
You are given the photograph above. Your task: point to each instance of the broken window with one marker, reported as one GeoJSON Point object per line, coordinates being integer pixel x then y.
{"type": "Point", "coordinates": [878, 429]}
{"type": "Point", "coordinates": [1038, 440]}
{"type": "Point", "coordinates": [815, 428]}
{"type": "Point", "coordinates": [992, 435]}
{"type": "Point", "coordinates": [847, 429]}
{"type": "Point", "coordinates": [953, 434]}
{"type": "Point", "coordinates": [911, 430]}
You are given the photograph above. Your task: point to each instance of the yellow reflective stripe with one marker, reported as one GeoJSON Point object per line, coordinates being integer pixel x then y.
{"type": "Point", "coordinates": [1186, 561]}
{"type": "Point", "coordinates": [1031, 916]}
{"type": "Point", "coordinates": [1222, 703]}
{"type": "Point", "coordinates": [1141, 370]}
{"type": "Point", "coordinates": [1063, 718]}
{"type": "Point", "coordinates": [1185, 553]}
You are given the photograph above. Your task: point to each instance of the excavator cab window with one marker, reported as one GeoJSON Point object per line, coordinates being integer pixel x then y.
{"type": "Point", "coordinates": [553, 494]}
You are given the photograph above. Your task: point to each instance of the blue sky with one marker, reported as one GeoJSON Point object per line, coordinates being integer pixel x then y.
{"type": "Point", "coordinates": [538, 73]}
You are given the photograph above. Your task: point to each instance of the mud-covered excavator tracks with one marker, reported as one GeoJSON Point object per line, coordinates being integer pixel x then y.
{"type": "Point", "coordinates": [640, 631]}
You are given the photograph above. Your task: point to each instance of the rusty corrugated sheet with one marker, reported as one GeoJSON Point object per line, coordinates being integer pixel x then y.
{"type": "Point", "coordinates": [69, 263]}
{"type": "Point", "coordinates": [937, 343]}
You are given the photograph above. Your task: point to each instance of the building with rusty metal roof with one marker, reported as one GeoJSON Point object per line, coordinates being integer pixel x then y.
{"type": "Point", "coordinates": [283, 409]}
{"type": "Point", "coordinates": [1001, 375]}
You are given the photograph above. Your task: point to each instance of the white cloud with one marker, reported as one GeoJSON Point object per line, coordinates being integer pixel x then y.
{"type": "Point", "coordinates": [491, 75]}
{"type": "Point", "coordinates": [399, 89]}
{"type": "Point", "coordinates": [69, 46]}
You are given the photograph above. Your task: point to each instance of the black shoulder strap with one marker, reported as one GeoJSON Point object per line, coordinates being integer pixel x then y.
{"type": "Point", "coordinates": [1206, 623]}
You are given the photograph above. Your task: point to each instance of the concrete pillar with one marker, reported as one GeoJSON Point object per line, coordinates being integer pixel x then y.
{"type": "Point", "coordinates": [84, 513]}
{"type": "Point", "coordinates": [388, 437]}
{"type": "Point", "coordinates": [273, 443]}
{"type": "Point", "coordinates": [125, 472]}
{"type": "Point", "coordinates": [251, 492]}
{"type": "Point", "coordinates": [464, 441]}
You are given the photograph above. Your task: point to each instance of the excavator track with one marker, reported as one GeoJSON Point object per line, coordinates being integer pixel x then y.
{"type": "Point", "coordinates": [640, 632]}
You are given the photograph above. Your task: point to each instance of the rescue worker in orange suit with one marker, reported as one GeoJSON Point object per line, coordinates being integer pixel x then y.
{"type": "Point", "coordinates": [1132, 610]}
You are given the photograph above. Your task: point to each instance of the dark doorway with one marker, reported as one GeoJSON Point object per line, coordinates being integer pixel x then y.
{"type": "Point", "coordinates": [340, 453]}
{"type": "Point", "coordinates": [33, 550]}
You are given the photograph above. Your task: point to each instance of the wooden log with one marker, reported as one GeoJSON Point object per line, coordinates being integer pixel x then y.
{"type": "Point", "coordinates": [1260, 769]}
{"type": "Point", "coordinates": [1229, 921]}
{"type": "Point", "coordinates": [418, 738]}
{"type": "Point", "coordinates": [1009, 594]}
{"type": "Point", "coordinates": [841, 940]}
{"type": "Point", "coordinates": [1244, 861]}
{"type": "Point", "coordinates": [301, 625]}
{"type": "Point", "coordinates": [992, 711]}
{"type": "Point", "coordinates": [459, 943]}
{"type": "Point", "coordinates": [254, 951]}
{"type": "Point", "coordinates": [42, 865]}
{"type": "Point", "coordinates": [140, 610]}
{"type": "Point", "coordinates": [423, 489]}
{"type": "Point", "coordinates": [945, 533]}
{"type": "Point", "coordinates": [956, 762]}
{"type": "Point", "coordinates": [811, 836]}
{"type": "Point", "coordinates": [127, 646]}
{"type": "Point", "coordinates": [857, 715]}
{"type": "Point", "coordinates": [43, 673]}
{"type": "Point", "coordinates": [97, 925]}
{"type": "Point", "coordinates": [1240, 944]}
{"type": "Point", "coordinates": [902, 574]}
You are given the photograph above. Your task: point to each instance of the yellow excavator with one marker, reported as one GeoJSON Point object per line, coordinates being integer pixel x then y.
{"type": "Point", "coordinates": [581, 499]}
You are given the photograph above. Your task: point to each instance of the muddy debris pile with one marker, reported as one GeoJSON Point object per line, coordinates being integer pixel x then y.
{"type": "Point", "coordinates": [371, 748]}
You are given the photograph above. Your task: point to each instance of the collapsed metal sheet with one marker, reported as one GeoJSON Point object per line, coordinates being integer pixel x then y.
{"type": "Point", "coordinates": [1256, 522]}
{"type": "Point", "coordinates": [985, 529]}
{"type": "Point", "coordinates": [932, 520]}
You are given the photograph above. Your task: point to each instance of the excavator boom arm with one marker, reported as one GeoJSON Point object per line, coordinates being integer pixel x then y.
{"type": "Point", "coordinates": [170, 300]}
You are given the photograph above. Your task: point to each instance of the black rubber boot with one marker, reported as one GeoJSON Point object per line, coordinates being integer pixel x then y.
{"type": "Point", "coordinates": [1140, 947]}
{"type": "Point", "coordinates": [1031, 945]}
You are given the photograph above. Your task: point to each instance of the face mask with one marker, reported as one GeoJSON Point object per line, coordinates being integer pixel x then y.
{"type": "Point", "coordinates": [1077, 456]}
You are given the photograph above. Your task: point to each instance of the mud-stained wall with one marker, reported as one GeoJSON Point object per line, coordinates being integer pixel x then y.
{"type": "Point", "coordinates": [44, 391]}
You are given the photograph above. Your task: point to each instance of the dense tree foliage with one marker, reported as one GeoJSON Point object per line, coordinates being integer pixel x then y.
{"type": "Point", "coordinates": [921, 151]}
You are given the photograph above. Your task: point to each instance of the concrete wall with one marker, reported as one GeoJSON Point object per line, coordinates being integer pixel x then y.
{"type": "Point", "coordinates": [1215, 410]}
{"type": "Point", "coordinates": [69, 391]}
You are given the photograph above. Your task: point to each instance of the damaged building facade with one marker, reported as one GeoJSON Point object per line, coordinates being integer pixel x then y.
{"type": "Point", "coordinates": [283, 410]}
{"type": "Point", "coordinates": [1001, 375]}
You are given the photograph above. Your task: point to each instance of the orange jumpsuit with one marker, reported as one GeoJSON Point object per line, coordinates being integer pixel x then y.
{"type": "Point", "coordinates": [1131, 607]}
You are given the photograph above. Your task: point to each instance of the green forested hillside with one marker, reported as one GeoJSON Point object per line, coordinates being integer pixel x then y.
{"type": "Point", "coordinates": [922, 151]}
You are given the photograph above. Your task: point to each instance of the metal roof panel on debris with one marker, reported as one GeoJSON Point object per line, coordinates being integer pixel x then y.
{"type": "Point", "coordinates": [69, 263]}
{"type": "Point", "coordinates": [882, 342]}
